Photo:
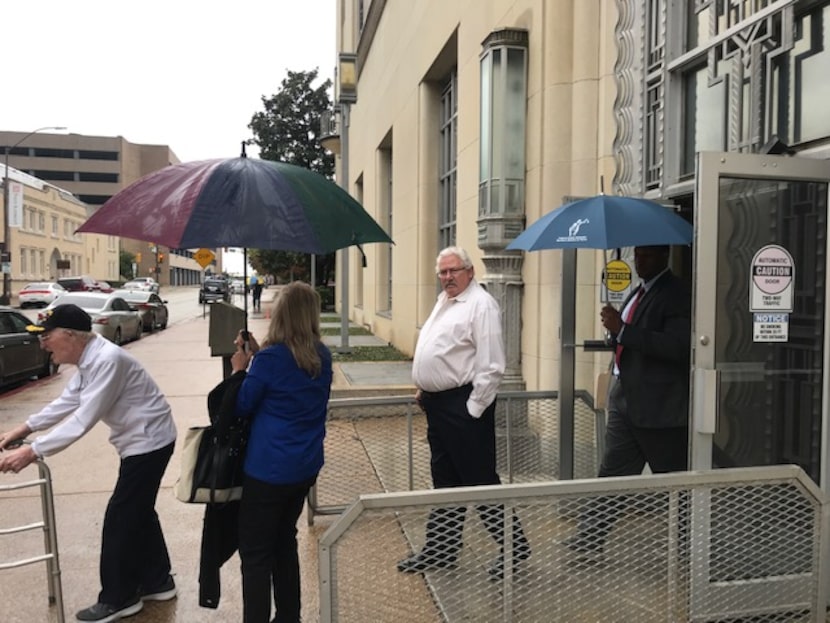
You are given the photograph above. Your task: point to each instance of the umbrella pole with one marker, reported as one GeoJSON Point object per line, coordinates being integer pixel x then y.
{"type": "Point", "coordinates": [245, 282]}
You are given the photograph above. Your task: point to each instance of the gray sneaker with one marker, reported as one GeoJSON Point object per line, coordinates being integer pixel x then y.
{"type": "Point", "coordinates": [104, 613]}
{"type": "Point", "coordinates": [160, 593]}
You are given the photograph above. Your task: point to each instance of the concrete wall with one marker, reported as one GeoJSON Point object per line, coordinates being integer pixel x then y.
{"type": "Point", "coordinates": [570, 131]}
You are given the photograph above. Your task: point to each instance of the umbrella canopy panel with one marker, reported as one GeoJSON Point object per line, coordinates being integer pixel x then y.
{"type": "Point", "coordinates": [237, 202]}
{"type": "Point", "coordinates": [605, 222]}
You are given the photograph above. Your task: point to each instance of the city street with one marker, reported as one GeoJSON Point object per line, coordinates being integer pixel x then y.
{"type": "Point", "coordinates": [182, 302]}
{"type": "Point", "coordinates": [179, 360]}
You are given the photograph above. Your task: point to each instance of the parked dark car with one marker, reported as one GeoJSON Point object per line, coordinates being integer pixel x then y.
{"type": "Point", "coordinates": [81, 283]}
{"type": "Point", "coordinates": [214, 289]}
{"type": "Point", "coordinates": [21, 356]}
{"type": "Point", "coordinates": [152, 308]}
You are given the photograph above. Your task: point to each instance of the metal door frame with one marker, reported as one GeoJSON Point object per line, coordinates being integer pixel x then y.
{"type": "Point", "coordinates": [711, 167]}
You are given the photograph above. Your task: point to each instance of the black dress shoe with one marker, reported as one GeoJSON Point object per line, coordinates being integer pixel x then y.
{"type": "Point", "coordinates": [496, 568]}
{"type": "Point", "coordinates": [417, 563]}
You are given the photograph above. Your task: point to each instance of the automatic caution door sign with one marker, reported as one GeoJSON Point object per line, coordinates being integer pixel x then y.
{"type": "Point", "coordinates": [771, 280]}
{"type": "Point", "coordinates": [616, 280]}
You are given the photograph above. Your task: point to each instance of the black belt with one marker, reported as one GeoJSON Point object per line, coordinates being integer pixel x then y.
{"type": "Point", "coordinates": [447, 392]}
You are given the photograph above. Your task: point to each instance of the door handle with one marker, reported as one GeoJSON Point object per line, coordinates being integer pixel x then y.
{"type": "Point", "coordinates": [705, 400]}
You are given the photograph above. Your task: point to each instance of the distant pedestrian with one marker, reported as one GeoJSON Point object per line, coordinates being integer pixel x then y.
{"type": "Point", "coordinates": [256, 293]}
{"type": "Point", "coordinates": [112, 387]}
{"type": "Point", "coordinates": [458, 366]}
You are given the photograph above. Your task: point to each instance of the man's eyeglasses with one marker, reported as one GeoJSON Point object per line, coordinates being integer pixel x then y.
{"type": "Point", "coordinates": [450, 271]}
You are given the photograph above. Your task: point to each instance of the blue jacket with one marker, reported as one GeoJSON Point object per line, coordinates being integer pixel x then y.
{"type": "Point", "coordinates": [288, 410]}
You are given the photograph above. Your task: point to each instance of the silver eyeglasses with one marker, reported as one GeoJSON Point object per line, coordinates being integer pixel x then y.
{"type": "Point", "coordinates": [450, 271]}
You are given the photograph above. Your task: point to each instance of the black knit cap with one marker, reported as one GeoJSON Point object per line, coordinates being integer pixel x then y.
{"type": "Point", "coordinates": [65, 316]}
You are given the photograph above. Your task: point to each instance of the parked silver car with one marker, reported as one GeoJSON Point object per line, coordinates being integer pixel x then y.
{"type": "Point", "coordinates": [152, 307]}
{"type": "Point", "coordinates": [112, 316]}
{"type": "Point", "coordinates": [21, 356]}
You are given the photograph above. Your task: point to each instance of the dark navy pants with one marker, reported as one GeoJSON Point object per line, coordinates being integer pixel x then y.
{"type": "Point", "coordinates": [463, 453]}
{"type": "Point", "coordinates": [133, 551]}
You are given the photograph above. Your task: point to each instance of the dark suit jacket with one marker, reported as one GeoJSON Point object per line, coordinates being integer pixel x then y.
{"type": "Point", "coordinates": [654, 363]}
{"type": "Point", "coordinates": [220, 526]}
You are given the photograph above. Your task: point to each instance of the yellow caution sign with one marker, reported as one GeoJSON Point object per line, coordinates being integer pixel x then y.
{"type": "Point", "coordinates": [204, 257]}
{"type": "Point", "coordinates": [617, 276]}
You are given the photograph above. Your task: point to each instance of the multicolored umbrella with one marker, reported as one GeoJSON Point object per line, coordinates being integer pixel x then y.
{"type": "Point", "coordinates": [605, 222]}
{"type": "Point", "coordinates": [239, 202]}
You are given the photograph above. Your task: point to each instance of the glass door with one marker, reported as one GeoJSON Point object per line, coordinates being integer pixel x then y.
{"type": "Point", "coordinates": [759, 388]}
{"type": "Point", "coordinates": [759, 318]}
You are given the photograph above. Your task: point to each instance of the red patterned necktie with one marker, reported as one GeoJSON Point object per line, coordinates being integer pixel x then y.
{"type": "Point", "coordinates": [631, 309]}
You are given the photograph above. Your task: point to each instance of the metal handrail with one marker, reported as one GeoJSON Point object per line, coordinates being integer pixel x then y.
{"type": "Point", "coordinates": [351, 407]}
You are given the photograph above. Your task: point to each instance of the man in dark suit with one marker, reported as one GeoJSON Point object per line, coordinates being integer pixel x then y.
{"type": "Point", "coordinates": [648, 397]}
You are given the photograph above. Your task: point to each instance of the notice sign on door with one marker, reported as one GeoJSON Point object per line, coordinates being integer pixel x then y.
{"type": "Point", "coordinates": [772, 276]}
{"type": "Point", "coordinates": [770, 327]}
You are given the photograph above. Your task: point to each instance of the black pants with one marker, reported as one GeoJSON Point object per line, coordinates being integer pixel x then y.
{"type": "Point", "coordinates": [463, 453]}
{"type": "Point", "coordinates": [627, 450]}
{"type": "Point", "coordinates": [268, 548]}
{"type": "Point", "coordinates": [133, 551]}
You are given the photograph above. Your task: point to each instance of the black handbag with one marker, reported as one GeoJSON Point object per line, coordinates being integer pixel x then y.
{"type": "Point", "coordinates": [213, 456]}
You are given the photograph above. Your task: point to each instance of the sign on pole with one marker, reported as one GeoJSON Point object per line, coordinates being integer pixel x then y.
{"type": "Point", "coordinates": [15, 204]}
{"type": "Point", "coordinates": [616, 280]}
{"type": "Point", "coordinates": [204, 257]}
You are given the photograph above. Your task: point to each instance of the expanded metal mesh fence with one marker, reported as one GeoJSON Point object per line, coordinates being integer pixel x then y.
{"type": "Point", "coordinates": [378, 445]}
{"type": "Point", "coordinates": [726, 546]}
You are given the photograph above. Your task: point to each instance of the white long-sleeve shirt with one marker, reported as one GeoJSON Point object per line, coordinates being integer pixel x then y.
{"type": "Point", "coordinates": [460, 343]}
{"type": "Point", "coordinates": [113, 387]}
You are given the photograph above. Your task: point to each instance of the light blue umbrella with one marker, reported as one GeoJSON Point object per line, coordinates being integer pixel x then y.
{"type": "Point", "coordinates": [605, 222]}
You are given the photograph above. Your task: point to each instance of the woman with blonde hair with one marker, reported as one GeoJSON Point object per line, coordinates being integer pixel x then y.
{"type": "Point", "coordinates": [285, 393]}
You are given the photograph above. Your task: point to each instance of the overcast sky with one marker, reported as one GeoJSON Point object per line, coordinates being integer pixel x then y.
{"type": "Point", "coordinates": [186, 73]}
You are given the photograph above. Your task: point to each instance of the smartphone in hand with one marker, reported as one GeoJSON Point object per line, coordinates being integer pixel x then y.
{"type": "Point", "coordinates": [246, 340]}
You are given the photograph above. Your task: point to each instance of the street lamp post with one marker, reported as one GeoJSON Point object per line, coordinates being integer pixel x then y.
{"type": "Point", "coordinates": [6, 255]}
{"type": "Point", "coordinates": [347, 81]}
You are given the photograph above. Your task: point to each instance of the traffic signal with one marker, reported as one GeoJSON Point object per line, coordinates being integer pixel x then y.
{"type": "Point", "coordinates": [138, 258]}
{"type": "Point", "coordinates": [161, 257]}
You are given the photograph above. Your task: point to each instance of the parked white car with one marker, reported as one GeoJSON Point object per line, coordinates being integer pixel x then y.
{"type": "Point", "coordinates": [145, 284]}
{"type": "Point", "coordinates": [40, 294]}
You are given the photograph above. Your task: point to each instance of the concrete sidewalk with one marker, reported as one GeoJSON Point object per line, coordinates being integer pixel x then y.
{"type": "Point", "coordinates": [83, 476]}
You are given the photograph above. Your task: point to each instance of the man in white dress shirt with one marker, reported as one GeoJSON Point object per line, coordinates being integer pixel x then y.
{"type": "Point", "coordinates": [112, 387]}
{"type": "Point", "coordinates": [458, 365]}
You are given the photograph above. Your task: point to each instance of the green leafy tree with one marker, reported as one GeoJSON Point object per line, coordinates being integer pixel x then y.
{"type": "Point", "coordinates": [288, 130]}
{"type": "Point", "coordinates": [125, 264]}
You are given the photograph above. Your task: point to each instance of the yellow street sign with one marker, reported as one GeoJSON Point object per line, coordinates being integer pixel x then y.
{"type": "Point", "coordinates": [204, 257]}
{"type": "Point", "coordinates": [617, 276]}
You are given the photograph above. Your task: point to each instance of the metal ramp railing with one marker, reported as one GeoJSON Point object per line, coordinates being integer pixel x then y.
{"type": "Point", "coordinates": [379, 445]}
{"type": "Point", "coordinates": [729, 545]}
